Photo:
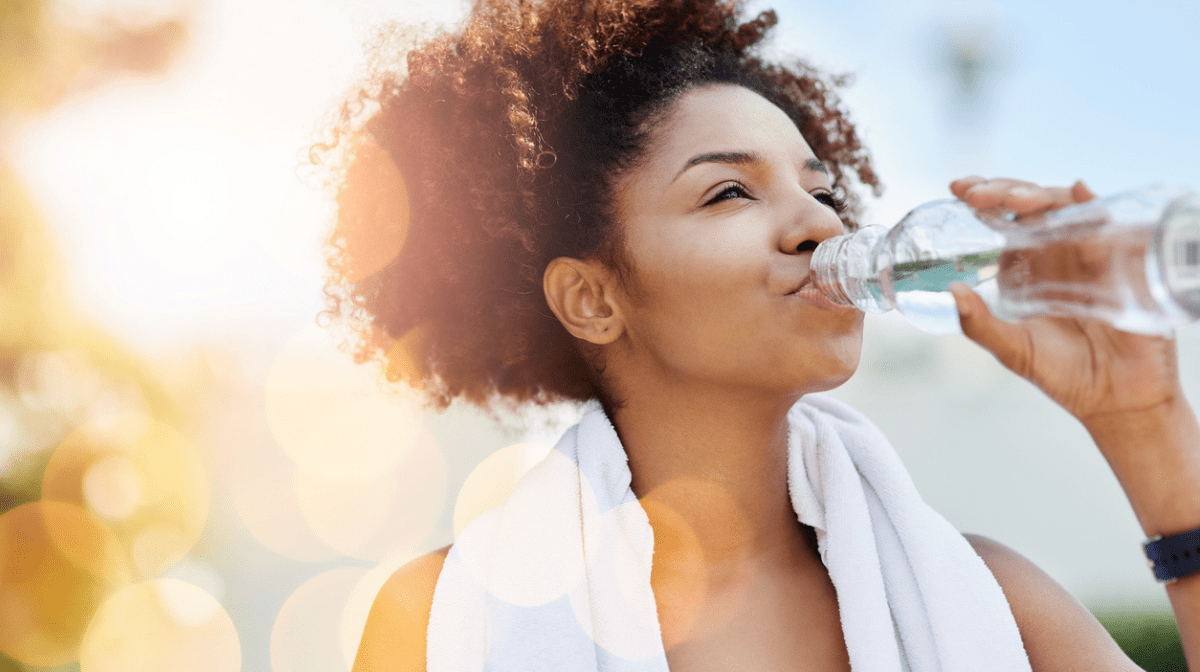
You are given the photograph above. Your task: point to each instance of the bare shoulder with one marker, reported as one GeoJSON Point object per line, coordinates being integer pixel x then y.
{"type": "Point", "coordinates": [1059, 633]}
{"type": "Point", "coordinates": [394, 639]}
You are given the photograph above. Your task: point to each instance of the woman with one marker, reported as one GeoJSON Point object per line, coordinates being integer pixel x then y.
{"type": "Point", "coordinates": [617, 201]}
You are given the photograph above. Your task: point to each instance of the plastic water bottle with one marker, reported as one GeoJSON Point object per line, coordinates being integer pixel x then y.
{"type": "Point", "coordinates": [1132, 260]}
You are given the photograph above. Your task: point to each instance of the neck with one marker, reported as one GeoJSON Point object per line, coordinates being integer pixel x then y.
{"type": "Point", "coordinates": [712, 465]}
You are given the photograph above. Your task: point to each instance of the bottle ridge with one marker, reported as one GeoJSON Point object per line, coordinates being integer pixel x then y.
{"type": "Point", "coordinates": [1132, 259]}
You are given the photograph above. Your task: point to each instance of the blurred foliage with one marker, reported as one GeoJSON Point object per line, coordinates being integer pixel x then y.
{"type": "Point", "coordinates": [47, 52]}
{"type": "Point", "coordinates": [9, 665]}
{"type": "Point", "coordinates": [58, 372]}
{"type": "Point", "coordinates": [55, 369]}
{"type": "Point", "coordinates": [1150, 639]}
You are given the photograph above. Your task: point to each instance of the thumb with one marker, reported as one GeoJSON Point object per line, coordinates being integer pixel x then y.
{"type": "Point", "coordinates": [1008, 342]}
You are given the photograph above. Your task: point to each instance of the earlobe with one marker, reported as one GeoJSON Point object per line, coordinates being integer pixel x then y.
{"type": "Point", "coordinates": [579, 294]}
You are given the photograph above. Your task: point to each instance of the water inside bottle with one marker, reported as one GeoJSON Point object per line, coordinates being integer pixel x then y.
{"type": "Point", "coordinates": [920, 287]}
{"type": "Point", "coordinates": [1105, 277]}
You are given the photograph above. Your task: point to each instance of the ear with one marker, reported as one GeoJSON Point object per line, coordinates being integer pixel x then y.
{"type": "Point", "coordinates": [581, 295]}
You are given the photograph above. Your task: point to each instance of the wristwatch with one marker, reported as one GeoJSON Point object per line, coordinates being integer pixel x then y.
{"type": "Point", "coordinates": [1174, 557]}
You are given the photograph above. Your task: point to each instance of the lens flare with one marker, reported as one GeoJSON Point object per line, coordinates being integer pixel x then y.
{"type": "Point", "coordinates": [112, 488]}
{"type": "Point", "coordinates": [143, 477]}
{"type": "Point", "coordinates": [162, 624]}
{"type": "Point", "coordinates": [542, 558]}
{"type": "Point", "coordinates": [57, 564]}
{"type": "Point", "coordinates": [261, 481]}
{"type": "Point", "coordinates": [262, 487]}
{"type": "Point", "coordinates": [636, 635]}
{"type": "Point", "coordinates": [379, 515]}
{"type": "Point", "coordinates": [372, 213]}
{"type": "Point", "coordinates": [678, 575]}
{"type": "Point", "coordinates": [329, 414]}
{"type": "Point", "coordinates": [308, 630]}
{"type": "Point", "coordinates": [684, 547]}
{"type": "Point", "coordinates": [492, 480]}
{"type": "Point", "coordinates": [404, 358]}
{"type": "Point", "coordinates": [360, 600]}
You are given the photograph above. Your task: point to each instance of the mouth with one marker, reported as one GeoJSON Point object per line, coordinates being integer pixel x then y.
{"type": "Point", "coordinates": [809, 293]}
{"type": "Point", "coordinates": [806, 282]}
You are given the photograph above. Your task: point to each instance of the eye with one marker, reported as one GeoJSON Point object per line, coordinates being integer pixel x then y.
{"type": "Point", "coordinates": [728, 191]}
{"type": "Point", "coordinates": [835, 202]}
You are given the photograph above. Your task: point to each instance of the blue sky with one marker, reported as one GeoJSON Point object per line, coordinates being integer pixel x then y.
{"type": "Point", "coordinates": [1094, 90]}
{"type": "Point", "coordinates": [1098, 90]}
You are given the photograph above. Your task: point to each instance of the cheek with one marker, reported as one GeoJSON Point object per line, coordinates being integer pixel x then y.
{"type": "Point", "coordinates": [696, 306]}
{"type": "Point", "coordinates": [820, 354]}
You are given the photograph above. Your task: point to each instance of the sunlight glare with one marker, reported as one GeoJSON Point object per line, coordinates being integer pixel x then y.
{"type": "Point", "coordinates": [375, 516]}
{"type": "Point", "coordinates": [492, 480]}
{"type": "Point", "coordinates": [162, 624]}
{"type": "Point", "coordinates": [307, 636]}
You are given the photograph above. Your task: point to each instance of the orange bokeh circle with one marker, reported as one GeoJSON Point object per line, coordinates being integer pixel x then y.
{"type": "Point", "coordinates": [58, 563]}
{"type": "Point", "coordinates": [159, 625]}
{"type": "Point", "coordinates": [143, 478]}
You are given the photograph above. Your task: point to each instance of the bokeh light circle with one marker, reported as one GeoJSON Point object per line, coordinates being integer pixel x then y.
{"type": "Point", "coordinates": [543, 554]}
{"type": "Point", "coordinates": [678, 571]}
{"type": "Point", "coordinates": [492, 480]}
{"type": "Point", "coordinates": [143, 477]}
{"type": "Point", "coordinates": [161, 624]}
{"type": "Point", "coordinates": [261, 481]}
{"type": "Point", "coordinates": [307, 636]}
{"type": "Point", "coordinates": [112, 487]}
{"type": "Point", "coordinates": [360, 600]}
{"type": "Point", "coordinates": [330, 416]}
{"type": "Point", "coordinates": [372, 193]}
{"type": "Point", "coordinates": [681, 554]}
{"type": "Point", "coordinates": [373, 516]}
{"type": "Point", "coordinates": [57, 564]}
{"type": "Point", "coordinates": [625, 575]}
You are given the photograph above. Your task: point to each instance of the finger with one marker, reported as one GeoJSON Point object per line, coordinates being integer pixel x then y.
{"type": "Point", "coordinates": [960, 186]}
{"type": "Point", "coordinates": [1080, 192]}
{"type": "Point", "coordinates": [1008, 342]}
{"type": "Point", "coordinates": [991, 193]}
{"type": "Point", "coordinates": [1034, 200]}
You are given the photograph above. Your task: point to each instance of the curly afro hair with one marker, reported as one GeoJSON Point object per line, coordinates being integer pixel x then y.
{"type": "Point", "coordinates": [495, 150]}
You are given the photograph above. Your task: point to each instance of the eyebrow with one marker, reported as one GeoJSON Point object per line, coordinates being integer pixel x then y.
{"type": "Point", "coordinates": [741, 158]}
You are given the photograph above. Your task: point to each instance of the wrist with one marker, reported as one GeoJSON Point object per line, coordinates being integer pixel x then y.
{"type": "Point", "coordinates": [1155, 455]}
{"type": "Point", "coordinates": [1174, 557]}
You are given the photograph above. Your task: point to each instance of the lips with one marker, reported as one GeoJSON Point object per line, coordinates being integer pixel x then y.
{"type": "Point", "coordinates": [809, 293]}
{"type": "Point", "coordinates": [805, 282]}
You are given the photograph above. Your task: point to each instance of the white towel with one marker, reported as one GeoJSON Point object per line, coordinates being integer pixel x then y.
{"type": "Point", "coordinates": [558, 578]}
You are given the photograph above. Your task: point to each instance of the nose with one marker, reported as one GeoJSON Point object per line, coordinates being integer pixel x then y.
{"type": "Point", "coordinates": [809, 223]}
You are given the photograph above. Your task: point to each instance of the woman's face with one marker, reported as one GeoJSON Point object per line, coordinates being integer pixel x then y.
{"type": "Point", "coordinates": [719, 223]}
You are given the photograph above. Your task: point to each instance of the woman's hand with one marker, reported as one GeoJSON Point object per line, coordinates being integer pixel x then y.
{"type": "Point", "coordinates": [1094, 371]}
{"type": "Point", "coordinates": [1124, 388]}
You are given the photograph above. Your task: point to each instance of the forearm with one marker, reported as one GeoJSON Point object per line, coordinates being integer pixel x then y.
{"type": "Point", "coordinates": [1156, 457]}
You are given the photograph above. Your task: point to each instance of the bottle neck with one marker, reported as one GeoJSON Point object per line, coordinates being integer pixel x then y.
{"type": "Point", "coordinates": [827, 272]}
{"type": "Point", "coordinates": [843, 266]}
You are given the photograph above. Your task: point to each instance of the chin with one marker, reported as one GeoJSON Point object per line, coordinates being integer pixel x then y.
{"type": "Point", "coordinates": [837, 367]}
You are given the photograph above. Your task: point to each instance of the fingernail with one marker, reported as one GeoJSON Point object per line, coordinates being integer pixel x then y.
{"type": "Point", "coordinates": [959, 291]}
{"type": "Point", "coordinates": [1023, 192]}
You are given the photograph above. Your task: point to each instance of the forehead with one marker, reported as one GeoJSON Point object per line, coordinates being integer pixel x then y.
{"type": "Point", "coordinates": [720, 117]}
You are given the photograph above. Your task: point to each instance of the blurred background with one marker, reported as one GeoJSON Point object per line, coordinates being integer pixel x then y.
{"type": "Point", "coordinates": [193, 477]}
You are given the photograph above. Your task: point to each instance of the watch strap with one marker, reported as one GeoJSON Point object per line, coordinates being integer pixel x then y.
{"type": "Point", "coordinates": [1175, 556]}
